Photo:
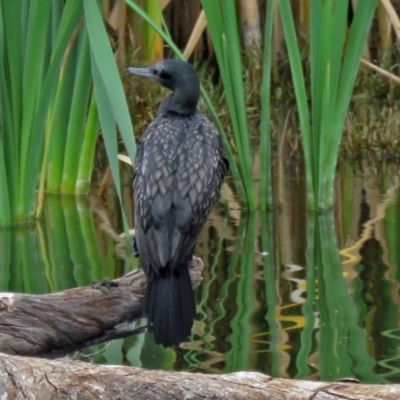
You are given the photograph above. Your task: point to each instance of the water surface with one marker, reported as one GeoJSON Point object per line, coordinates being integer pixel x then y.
{"type": "Point", "coordinates": [288, 292]}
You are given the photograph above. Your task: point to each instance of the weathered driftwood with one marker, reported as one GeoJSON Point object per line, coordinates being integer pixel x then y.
{"type": "Point", "coordinates": [75, 318]}
{"type": "Point", "coordinates": [35, 378]}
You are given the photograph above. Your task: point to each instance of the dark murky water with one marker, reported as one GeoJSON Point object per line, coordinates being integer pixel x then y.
{"type": "Point", "coordinates": [288, 292]}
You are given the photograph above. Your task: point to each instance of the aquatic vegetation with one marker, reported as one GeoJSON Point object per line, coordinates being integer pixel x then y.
{"type": "Point", "coordinates": [52, 53]}
{"type": "Point", "coordinates": [334, 61]}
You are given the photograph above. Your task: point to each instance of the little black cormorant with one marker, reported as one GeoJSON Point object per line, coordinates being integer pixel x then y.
{"type": "Point", "coordinates": [179, 170]}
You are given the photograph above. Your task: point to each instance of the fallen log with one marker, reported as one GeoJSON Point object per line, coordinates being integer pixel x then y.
{"type": "Point", "coordinates": [36, 378]}
{"type": "Point", "coordinates": [57, 323]}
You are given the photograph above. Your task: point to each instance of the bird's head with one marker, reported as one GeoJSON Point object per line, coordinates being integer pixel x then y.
{"type": "Point", "coordinates": [178, 76]}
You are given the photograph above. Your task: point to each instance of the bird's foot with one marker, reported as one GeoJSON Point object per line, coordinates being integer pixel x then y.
{"type": "Point", "coordinates": [105, 285]}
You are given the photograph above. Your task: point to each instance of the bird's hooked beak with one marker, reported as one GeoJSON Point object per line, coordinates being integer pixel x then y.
{"type": "Point", "coordinates": [140, 71]}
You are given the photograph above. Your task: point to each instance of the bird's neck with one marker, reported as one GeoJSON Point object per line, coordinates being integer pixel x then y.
{"type": "Point", "coordinates": [183, 102]}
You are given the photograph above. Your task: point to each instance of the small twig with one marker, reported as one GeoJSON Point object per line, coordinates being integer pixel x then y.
{"type": "Point", "coordinates": [381, 71]}
{"type": "Point", "coordinates": [198, 30]}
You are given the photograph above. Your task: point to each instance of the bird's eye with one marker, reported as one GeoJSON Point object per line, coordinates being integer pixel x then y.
{"type": "Point", "coordinates": [164, 74]}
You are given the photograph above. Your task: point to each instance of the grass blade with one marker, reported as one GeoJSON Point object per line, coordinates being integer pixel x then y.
{"type": "Point", "coordinates": [108, 127]}
{"type": "Point", "coordinates": [36, 44]}
{"type": "Point", "coordinates": [76, 123]}
{"type": "Point", "coordinates": [221, 18]}
{"type": "Point", "coordinates": [301, 95]}
{"type": "Point", "coordinates": [265, 135]}
{"type": "Point", "coordinates": [108, 74]}
{"type": "Point", "coordinates": [82, 184]}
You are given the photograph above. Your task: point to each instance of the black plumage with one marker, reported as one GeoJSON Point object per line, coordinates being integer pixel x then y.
{"type": "Point", "coordinates": [179, 171]}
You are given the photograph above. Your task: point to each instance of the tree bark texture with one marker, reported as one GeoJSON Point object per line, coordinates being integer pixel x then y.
{"type": "Point", "coordinates": [42, 379]}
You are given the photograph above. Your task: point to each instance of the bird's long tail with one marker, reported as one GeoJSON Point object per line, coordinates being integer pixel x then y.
{"type": "Point", "coordinates": [169, 306]}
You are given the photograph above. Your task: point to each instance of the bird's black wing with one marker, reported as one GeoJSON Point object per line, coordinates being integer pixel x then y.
{"type": "Point", "coordinates": [179, 171]}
